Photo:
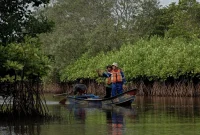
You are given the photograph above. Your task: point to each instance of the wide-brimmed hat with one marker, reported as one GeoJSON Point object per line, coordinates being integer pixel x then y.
{"type": "Point", "coordinates": [115, 64]}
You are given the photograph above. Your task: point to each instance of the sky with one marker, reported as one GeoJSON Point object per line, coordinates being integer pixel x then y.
{"type": "Point", "coordinates": [167, 2]}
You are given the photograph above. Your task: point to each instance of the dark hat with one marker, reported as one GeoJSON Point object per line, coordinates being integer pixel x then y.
{"type": "Point", "coordinates": [109, 66]}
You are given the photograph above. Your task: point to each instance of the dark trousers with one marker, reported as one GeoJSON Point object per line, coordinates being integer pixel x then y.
{"type": "Point", "coordinates": [117, 88]}
{"type": "Point", "coordinates": [108, 92]}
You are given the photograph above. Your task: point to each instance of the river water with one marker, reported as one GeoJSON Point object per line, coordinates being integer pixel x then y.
{"type": "Point", "coordinates": [146, 116]}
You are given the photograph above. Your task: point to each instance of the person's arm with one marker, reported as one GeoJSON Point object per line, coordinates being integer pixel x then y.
{"type": "Point", "coordinates": [106, 74]}
{"type": "Point", "coordinates": [100, 73]}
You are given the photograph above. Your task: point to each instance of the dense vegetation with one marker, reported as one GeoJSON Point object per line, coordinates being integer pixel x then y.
{"type": "Point", "coordinates": [148, 41]}
{"type": "Point", "coordinates": [21, 53]}
{"type": "Point", "coordinates": [17, 20]}
{"type": "Point", "coordinates": [92, 27]}
{"type": "Point", "coordinates": [156, 59]}
{"type": "Point", "coordinates": [22, 61]}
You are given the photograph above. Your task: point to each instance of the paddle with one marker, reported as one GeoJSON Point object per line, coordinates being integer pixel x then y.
{"type": "Point", "coordinates": [62, 101]}
{"type": "Point", "coordinates": [62, 94]}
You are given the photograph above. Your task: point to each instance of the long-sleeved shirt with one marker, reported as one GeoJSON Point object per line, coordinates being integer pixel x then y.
{"type": "Point", "coordinates": [81, 88]}
{"type": "Point", "coordinates": [105, 74]}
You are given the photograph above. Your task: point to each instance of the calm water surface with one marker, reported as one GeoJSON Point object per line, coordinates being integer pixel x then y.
{"type": "Point", "coordinates": [146, 116]}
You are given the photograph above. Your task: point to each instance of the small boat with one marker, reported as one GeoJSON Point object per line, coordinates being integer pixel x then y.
{"type": "Point", "coordinates": [123, 99]}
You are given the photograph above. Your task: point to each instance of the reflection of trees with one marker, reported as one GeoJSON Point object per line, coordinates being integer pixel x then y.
{"type": "Point", "coordinates": [21, 127]}
{"type": "Point", "coordinates": [187, 107]}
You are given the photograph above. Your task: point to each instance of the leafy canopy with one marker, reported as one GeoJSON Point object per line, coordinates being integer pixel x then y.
{"type": "Point", "coordinates": [23, 61]}
{"type": "Point", "coordinates": [17, 20]}
{"type": "Point", "coordinates": [157, 59]}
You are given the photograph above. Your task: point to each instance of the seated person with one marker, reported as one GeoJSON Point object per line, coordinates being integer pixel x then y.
{"type": "Point", "coordinates": [80, 88]}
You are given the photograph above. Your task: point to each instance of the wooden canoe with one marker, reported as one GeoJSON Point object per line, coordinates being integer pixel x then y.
{"type": "Point", "coordinates": [124, 99]}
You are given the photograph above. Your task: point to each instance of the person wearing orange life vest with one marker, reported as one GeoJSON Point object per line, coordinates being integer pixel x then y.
{"type": "Point", "coordinates": [118, 80]}
{"type": "Point", "coordinates": [108, 83]}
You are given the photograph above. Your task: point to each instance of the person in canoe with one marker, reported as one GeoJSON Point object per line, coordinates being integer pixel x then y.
{"type": "Point", "coordinates": [117, 79]}
{"type": "Point", "coordinates": [108, 83]}
{"type": "Point", "coordinates": [79, 88]}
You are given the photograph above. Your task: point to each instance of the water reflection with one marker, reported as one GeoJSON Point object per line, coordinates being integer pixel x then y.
{"type": "Point", "coordinates": [146, 116]}
{"type": "Point", "coordinates": [116, 120]}
{"type": "Point", "coordinates": [80, 114]}
{"type": "Point", "coordinates": [22, 127]}
{"type": "Point", "coordinates": [114, 117]}
{"type": "Point", "coordinates": [179, 106]}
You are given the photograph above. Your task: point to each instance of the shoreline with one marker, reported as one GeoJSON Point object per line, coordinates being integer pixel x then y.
{"type": "Point", "coordinates": [156, 88]}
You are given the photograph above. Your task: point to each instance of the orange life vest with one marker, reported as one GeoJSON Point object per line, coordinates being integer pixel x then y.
{"type": "Point", "coordinates": [116, 76]}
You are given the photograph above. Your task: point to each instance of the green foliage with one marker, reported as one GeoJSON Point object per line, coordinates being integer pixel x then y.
{"type": "Point", "coordinates": [185, 21]}
{"type": "Point", "coordinates": [17, 20]}
{"type": "Point", "coordinates": [150, 21]}
{"type": "Point", "coordinates": [91, 27]}
{"type": "Point", "coordinates": [37, 25]}
{"type": "Point", "coordinates": [23, 61]}
{"type": "Point", "coordinates": [90, 34]}
{"type": "Point", "coordinates": [180, 20]}
{"type": "Point", "coordinates": [155, 59]}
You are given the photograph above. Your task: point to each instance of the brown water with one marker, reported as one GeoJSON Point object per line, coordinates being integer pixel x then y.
{"type": "Point", "coordinates": [146, 116]}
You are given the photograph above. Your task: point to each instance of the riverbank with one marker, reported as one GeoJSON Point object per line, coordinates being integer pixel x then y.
{"type": "Point", "coordinates": [146, 88]}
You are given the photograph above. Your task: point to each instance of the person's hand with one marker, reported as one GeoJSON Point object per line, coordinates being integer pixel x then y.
{"type": "Point", "coordinates": [100, 72]}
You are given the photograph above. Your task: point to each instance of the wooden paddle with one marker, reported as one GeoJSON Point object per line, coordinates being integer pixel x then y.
{"type": "Point", "coordinates": [62, 101]}
{"type": "Point", "coordinates": [62, 94]}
